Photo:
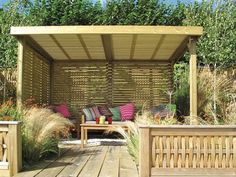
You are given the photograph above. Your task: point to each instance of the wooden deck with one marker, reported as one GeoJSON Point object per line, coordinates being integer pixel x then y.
{"type": "Point", "coordinates": [97, 161]}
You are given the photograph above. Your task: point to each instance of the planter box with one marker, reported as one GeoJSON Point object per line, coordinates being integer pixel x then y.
{"type": "Point", "coordinates": [10, 148]}
{"type": "Point", "coordinates": [186, 150]}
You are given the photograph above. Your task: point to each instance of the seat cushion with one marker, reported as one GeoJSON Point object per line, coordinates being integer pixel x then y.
{"type": "Point", "coordinates": [113, 123]}
{"type": "Point", "coordinates": [116, 113]}
{"type": "Point", "coordinates": [127, 111]}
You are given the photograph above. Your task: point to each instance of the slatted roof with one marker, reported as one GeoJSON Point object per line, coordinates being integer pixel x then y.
{"type": "Point", "coordinates": [164, 43]}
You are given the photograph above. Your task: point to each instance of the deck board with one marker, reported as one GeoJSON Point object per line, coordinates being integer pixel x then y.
{"type": "Point", "coordinates": [94, 165]}
{"type": "Point", "coordinates": [56, 167]}
{"type": "Point", "coordinates": [77, 164]}
{"type": "Point", "coordinates": [110, 166]}
{"type": "Point", "coordinates": [94, 161]}
{"type": "Point", "coordinates": [127, 165]}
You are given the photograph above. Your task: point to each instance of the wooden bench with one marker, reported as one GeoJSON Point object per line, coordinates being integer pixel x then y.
{"type": "Point", "coordinates": [91, 125]}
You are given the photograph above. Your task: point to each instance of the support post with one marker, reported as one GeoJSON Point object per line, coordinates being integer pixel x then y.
{"type": "Point", "coordinates": [15, 148]}
{"type": "Point", "coordinates": [19, 92]}
{"type": "Point", "coordinates": [193, 80]}
{"type": "Point", "coordinates": [145, 152]}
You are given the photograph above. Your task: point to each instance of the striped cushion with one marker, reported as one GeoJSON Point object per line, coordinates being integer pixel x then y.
{"type": "Point", "coordinates": [88, 114]}
{"type": "Point", "coordinates": [91, 113]}
{"type": "Point", "coordinates": [96, 111]}
{"type": "Point", "coordinates": [127, 112]}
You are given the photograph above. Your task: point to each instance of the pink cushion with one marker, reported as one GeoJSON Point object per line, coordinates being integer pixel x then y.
{"type": "Point", "coordinates": [63, 110]}
{"type": "Point", "coordinates": [127, 112]}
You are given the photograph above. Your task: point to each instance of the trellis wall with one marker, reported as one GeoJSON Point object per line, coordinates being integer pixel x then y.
{"type": "Point", "coordinates": [36, 77]}
{"type": "Point", "coordinates": [81, 83]}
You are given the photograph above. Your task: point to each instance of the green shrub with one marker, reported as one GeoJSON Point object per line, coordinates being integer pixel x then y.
{"type": "Point", "coordinates": [41, 132]}
{"type": "Point", "coordinates": [181, 84]}
{"type": "Point", "coordinates": [8, 112]}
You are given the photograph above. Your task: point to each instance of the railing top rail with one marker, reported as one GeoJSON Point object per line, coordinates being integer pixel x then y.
{"type": "Point", "coordinates": [188, 126]}
{"type": "Point", "coordinates": [10, 122]}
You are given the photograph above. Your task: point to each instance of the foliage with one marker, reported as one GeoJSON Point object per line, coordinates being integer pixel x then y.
{"type": "Point", "coordinates": [8, 112]}
{"type": "Point", "coordinates": [216, 88]}
{"type": "Point", "coordinates": [181, 87]}
{"type": "Point", "coordinates": [218, 18]}
{"type": "Point", "coordinates": [41, 131]}
{"type": "Point", "coordinates": [132, 139]}
{"type": "Point", "coordinates": [231, 112]}
{"type": "Point", "coordinates": [11, 15]}
{"type": "Point", "coordinates": [8, 84]}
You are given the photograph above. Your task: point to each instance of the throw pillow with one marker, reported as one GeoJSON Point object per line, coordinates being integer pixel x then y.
{"type": "Point", "coordinates": [88, 114]}
{"type": "Point", "coordinates": [96, 112]}
{"type": "Point", "coordinates": [116, 113]}
{"type": "Point", "coordinates": [104, 110]}
{"type": "Point", "coordinates": [63, 110]}
{"type": "Point", "coordinates": [127, 111]}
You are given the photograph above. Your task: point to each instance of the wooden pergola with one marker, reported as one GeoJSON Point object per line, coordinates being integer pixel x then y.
{"type": "Point", "coordinates": [103, 64]}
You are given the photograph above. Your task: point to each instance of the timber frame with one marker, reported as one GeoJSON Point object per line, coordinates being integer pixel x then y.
{"type": "Point", "coordinates": [111, 65]}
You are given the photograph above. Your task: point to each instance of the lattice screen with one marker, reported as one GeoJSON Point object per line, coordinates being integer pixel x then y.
{"type": "Point", "coordinates": [80, 83]}
{"type": "Point", "coordinates": [36, 77]}
{"type": "Point", "coordinates": [146, 82]}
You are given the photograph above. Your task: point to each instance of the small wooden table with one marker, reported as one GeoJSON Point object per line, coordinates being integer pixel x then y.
{"type": "Point", "coordinates": [93, 126]}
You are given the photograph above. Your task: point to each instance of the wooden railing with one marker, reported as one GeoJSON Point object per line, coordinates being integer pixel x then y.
{"type": "Point", "coordinates": [185, 150]}
{"type": "Point", "coordinates": [10, 148]}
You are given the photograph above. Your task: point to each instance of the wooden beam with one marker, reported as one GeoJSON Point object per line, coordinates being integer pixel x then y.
{"type": "Point", "coordinates": [179, 30]}
{"type": "Point", "coordinates": [20, 64]}
{"type": "Point", "coordinates": [159, 43]}
{"type": "Point", "coordinates": [193, 80]}
{"type": "Point", "coordinates": [60, 46]}
{"type": "Point", "coordinates": [84, 46]}
{"type": "Point", "coordinates": [108, 46]}
{"type": "Point", "coordinates": [180, 51]}
{"type": "Point", "coordinates": [133, 44]}
{"type": "Point", "coordinates": [34, 45]}
{"type": "Point", "coordinates": [114, 61]}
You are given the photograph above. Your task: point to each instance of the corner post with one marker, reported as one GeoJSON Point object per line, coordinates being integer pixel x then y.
{"type": "Point", "coordinates": [20, 61]}
{"type": "Point", "coordinates": [193, 80]}
{"type": "Point", "coordinates": [15, 148]}
{"type": "Point", "coordinates": [145, 152]}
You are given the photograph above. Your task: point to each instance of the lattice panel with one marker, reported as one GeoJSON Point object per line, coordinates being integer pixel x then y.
{"type": "Point", "coordinates": [79, 84]}
{"type": "Point", "coordinates": [194, 151]}
{"type": "Point", "coordinates": [3, 147]}
{"type": "Point", "coordinates": [141, 82]}
{"type": "Point", "coordinates": [36, 77]}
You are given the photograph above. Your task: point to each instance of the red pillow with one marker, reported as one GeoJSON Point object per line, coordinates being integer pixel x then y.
{"type": "Point", "coordinates": [127, 112]}
{"type": "Point", "coordinates": [63, 110]}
